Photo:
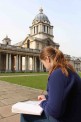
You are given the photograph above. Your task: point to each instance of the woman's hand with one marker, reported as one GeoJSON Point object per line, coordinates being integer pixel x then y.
{"type": "Point", "coordinates": [41, 97]}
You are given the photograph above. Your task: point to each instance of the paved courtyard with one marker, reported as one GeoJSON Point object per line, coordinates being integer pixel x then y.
{"type": "Point", "coordinates": [9, 95]}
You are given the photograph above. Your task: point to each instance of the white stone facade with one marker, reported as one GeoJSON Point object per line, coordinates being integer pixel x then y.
{"type": "Point", "coordinates": [24, 56]}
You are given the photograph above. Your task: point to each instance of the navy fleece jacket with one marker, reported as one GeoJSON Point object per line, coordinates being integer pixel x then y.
{"type": "Point", "coordinates": [58, 88]}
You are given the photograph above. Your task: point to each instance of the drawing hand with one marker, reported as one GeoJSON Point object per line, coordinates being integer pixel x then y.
{"type": "Point", "coordinates": [41, 97]}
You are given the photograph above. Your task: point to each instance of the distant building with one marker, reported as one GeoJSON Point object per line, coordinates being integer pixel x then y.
{"type": "Point", "coordinates": [24, 55]}
{"type": "Point", "coordinates": [76, 62]}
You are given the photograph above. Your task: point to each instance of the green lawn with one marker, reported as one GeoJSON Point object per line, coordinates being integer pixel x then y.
{"type": "Point", "coordinates": [38, 81]}
{"type": "Point", "coordinates": [79, 74]}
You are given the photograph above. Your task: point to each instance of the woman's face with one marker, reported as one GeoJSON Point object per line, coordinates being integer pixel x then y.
{"type": "Point", "coordinates": [47, 63]}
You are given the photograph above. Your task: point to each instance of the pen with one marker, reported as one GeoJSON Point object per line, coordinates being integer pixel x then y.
{"type": "Point", "coordinates": [42, 92]}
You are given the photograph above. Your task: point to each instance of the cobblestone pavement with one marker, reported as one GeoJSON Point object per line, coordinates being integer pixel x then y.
{"type": "Point", "coordinates": [9, 95]}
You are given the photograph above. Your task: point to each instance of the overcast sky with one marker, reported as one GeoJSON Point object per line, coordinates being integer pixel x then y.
{"type": "Point", "coordinates": [65, 15]}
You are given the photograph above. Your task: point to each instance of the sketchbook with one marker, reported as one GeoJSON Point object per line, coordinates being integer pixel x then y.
{"type": "Point", "coordinates": [27, 107]}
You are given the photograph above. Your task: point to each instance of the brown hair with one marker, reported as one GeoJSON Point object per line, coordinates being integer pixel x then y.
{"type": "Point", "coordinates": [59, 61]}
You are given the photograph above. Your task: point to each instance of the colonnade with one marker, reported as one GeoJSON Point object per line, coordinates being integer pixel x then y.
{"type": "Point", "coordinates": [14, 62]}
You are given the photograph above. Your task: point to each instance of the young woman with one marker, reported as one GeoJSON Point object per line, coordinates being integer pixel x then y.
{"type": "Point", "coordinates": [63, 100]}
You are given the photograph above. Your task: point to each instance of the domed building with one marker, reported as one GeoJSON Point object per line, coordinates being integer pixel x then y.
{"type": "Point", "coordinates": [41, 33]}
{"type": "Point", "coordinates": [24, 56]}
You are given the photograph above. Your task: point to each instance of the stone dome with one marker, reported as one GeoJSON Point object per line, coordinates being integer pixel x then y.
{"type": "Point", "coordinates": [41, 17]}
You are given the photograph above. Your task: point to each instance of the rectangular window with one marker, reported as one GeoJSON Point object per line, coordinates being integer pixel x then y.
{"type": "Point", "coordinates": [34, 30]}
{"type": "Point", "coordinates": [47, 29]}
{"type": "Point", "coordinates": [44, 28]}
{"type": "Point", "coordinates": [37, 29]}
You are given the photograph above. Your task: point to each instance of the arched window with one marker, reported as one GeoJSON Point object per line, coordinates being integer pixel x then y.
{"type": "Point", "coordinates": [28, 44]}
{"type": "Point", "coordinates": [6, 43]}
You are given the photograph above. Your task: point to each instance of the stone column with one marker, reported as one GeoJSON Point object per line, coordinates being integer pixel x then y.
{"type": "Point", "coordinates": [26, 63]}
{"type": "Point", "coordinates": [20, 63]}
{"type": "Point", "coordinates": [17, 60]}
{"type": "Point", "coordinates": [33, 66]}
{"type": "Point", "coordinates": [7, 60]}
{"type": "Point", "coordinates": [41, 66]}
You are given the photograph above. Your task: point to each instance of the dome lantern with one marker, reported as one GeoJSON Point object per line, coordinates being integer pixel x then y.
{"type": "Point", "coordinates": [41, 10]}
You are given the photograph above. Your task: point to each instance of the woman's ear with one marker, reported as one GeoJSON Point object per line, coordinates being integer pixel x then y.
{"type": "Point", "coordinates": [48, 59]}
